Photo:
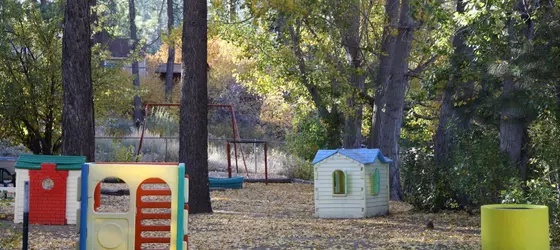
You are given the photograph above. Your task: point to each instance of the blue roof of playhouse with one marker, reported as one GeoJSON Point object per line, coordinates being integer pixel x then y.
{"type": "Point", "coordinates": [361, 155]}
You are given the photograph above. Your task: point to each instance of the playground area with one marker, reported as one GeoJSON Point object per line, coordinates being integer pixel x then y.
{"type": "Point", "coordinates": [280, 216]}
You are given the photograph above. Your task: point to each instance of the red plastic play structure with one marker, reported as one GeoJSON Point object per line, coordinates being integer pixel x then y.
{"type": "Point", "coordinates": [49, 199]}
{"type": "Point", "coordinates": [143, 216]}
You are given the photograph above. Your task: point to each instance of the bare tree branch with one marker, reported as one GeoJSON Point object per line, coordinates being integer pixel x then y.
{"type": "Point", "coordinates": [416, 72]}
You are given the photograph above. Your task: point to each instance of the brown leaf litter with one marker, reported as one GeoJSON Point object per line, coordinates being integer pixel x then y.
{"type": "Point", "coordinates": [280, 216]}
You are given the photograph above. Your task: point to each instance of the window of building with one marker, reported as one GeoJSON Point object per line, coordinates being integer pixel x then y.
{"type": "Point", "coordinates": [340, 182]}
{"type": "Point", "coordinates": [375, 182]}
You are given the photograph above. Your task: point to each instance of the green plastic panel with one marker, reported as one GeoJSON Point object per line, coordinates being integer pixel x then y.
{"type": "Point", "coordinates": [375, 184]}
{"type": "Point", "coordinates": [62, 162]}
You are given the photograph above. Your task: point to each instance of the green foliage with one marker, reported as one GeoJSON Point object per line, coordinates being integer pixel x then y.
{"type": "Point", "coordinates": [417, 172]}
{"type": "Point", "coordinates": [539, 192]}
{"type": "Point", "coordinates": [31, 76]}
{"type": "Point", "coordinates": [545, 165]}
{"type": "Point", "coordinates": [124, 153]}
{"type": "Point", "coordinates": [476, 177]}
{"type": "Point", "coordinates": [304, 171]}
{"type": "Point", "coordinates": [308, 136]}
{"type": "Point", "coordinates": [163, 121]}
{"type": "Point", "coordinates": [294, 167]}
{"type": "Point", "coordinates": [545, 140]}
{"type": "Point", "coordinates": [118, 127]}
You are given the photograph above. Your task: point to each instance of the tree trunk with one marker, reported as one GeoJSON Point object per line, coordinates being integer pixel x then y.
{"type": "Point", "coordinates": [232, 11]}
{"type": "Point", "coordinates": [78, 128]}
{"type": "Point", "coordinates": [391, 116]}
{"type": "Point", "coordinates": [384, 69]}
{"type": "Point", "coordinates": [137, 116]}
{"type": "Point", "coordinates": [351, 41]}
{"type": "Point", "coordinates": [513, 128]}
{"type": "Point", "coordinates": [193, 142]}
{"type": "Point", "coordinates": [514, 121]}
{"type": "Point", "coordinates": [452, 118]}
{"type": "Point", "coordinates": [170, 54]}
{"type": "Point", "coordinates": [332, 119]}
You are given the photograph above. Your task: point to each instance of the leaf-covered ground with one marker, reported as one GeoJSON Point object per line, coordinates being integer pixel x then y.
{"type": "Point", "coordinates": [280, 216]}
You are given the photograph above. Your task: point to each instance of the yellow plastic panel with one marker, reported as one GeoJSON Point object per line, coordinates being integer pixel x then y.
{"type": "Point", "coordinates": [514, 227]}
{"type": "Point", "coordinates": [112, 234]}
{"type": "Point", "coordinates": [133, 175]}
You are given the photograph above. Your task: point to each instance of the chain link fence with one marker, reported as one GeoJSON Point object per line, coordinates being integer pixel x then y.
{"type": "Point", "coordinates": [166, 149]}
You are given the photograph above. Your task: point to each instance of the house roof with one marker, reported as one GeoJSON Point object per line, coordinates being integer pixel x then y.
{"type": "Point", "coordinates": [33, 162]}
{"type": "Point", "coordinates": [361, 155]}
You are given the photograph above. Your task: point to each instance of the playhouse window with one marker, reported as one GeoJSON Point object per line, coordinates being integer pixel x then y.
{"type": "Point", "coordinates": [340, 182]}
{"type": "Point", "coordinates": [375, 182]}
{"type": "Point", "coordinates": [116, 202]}
{"type": "Point", "coordinates": [47, 184]}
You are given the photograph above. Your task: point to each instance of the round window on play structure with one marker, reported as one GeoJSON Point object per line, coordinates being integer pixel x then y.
{"type": "Point", "coordinates": [47, 184]}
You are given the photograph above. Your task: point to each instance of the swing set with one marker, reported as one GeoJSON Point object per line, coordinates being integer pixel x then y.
{"type": "Point", "coordinates": [236, 138]}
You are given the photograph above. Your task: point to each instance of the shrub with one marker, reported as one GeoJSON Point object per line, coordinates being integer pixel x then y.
{"type": "Point", "coordinates": [475, 175]}
{"type": "Point", "coordinates": [8, 149]}
{"type": "Point", "coordinates": [295, 167]}
{"type": "Point", "coordinates": [417, 171]}
{"type": "Point", "coordinates": [540, 192]}
{"type": "Point", "coordinates": [125, 153]}
{"type": "Point", "coordinates": [309, 136]}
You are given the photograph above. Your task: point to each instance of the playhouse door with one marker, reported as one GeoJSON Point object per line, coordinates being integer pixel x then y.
{"type": "Point", "coordinates": [110, 231]}
{"type": "Point", "coordinates": [47, 195]}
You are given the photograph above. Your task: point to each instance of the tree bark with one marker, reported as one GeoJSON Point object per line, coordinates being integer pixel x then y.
{"type": "Point", "coordinates": [351, 42]}
{"type": "Point", "coordinates": [137, 116]}
{"type": "Point", "coordinates": [453, 118]}
{"type": "Point", "coordinates": [384, 69]}
{"type": "Point", "coordinates": [193, 142]}
{"type": "Point", "coordinates": [170, 54]}
{"type": "Point", "coordinates": [232, 11]}
{"type": "Point", "coordinates": [78, 128]}
{"type": "Point", "coordinates": [514, 121]}
{"type": "Point", "coordinates": [391, 116]}
{"type": "Point", "coordinates": [333, 118]}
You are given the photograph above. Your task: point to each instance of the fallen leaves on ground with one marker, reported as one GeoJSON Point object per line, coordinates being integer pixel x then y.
{"type": "Point", "coordinates": [280, 216]}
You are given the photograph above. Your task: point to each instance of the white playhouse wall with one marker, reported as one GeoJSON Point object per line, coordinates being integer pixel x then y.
{"type": "Point", "coordinates": [72, 204]}
{"type": "Point", "coordinates": [377, 204]}
{"type": "Point", "coordinates": [22, 175]}
{"type": "Point", "coordinates": [328, 205]}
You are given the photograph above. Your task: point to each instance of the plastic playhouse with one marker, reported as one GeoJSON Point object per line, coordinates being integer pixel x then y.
{"type": "Point", "coordinates": [53, 184]}
{"type": "Point", "coordinates": [351, 183]}
{"type": "Point", "coordinates": [124, 230]}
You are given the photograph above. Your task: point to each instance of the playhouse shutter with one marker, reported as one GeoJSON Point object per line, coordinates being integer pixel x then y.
{"type": "Point", "coordinates": [375, 182]}
{"type": "Point", "coordinates": [336, 183]}
{"type": "Point", "coordinates": [345, 182]}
